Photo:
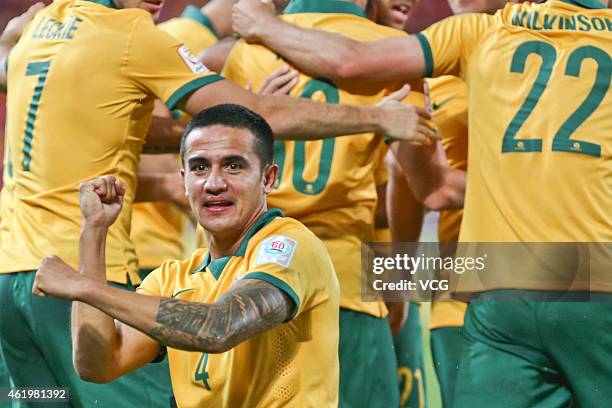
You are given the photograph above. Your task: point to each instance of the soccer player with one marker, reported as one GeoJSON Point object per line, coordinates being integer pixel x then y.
{"type": "Point", "coordinates": [330, 186]}
{"type": "Point", "coordinates": [242, 320]}
{"type": "Point", "coordinates": [81, 84]}
{"type": "Point", "coordinates": [536, 59]}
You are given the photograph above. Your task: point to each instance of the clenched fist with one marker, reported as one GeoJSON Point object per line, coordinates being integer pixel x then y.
{"type": "Point", "coordinates": [56, 278]}
{"type": "Point", "coordinates": [101, 201]}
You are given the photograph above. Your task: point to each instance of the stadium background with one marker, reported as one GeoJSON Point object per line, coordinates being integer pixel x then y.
{"type": "Point", "coordinates": [422, 15]}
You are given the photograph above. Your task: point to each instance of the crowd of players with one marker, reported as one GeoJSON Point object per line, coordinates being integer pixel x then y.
{"type": "Point", "coordinates": [84, 68]}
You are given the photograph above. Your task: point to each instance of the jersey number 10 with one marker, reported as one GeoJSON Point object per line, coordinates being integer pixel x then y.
{"type": "Point", "coordinates": [561, 140]}
{"type": "Point", "coordinates": [299, 150]}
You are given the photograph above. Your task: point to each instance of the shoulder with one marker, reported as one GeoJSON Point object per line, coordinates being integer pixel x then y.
{"type": "Point", "coordinates": [285, 238]}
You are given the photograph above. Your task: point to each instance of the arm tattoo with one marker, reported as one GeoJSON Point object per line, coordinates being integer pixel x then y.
{"type": "Point", "coordinates": [250, 308]}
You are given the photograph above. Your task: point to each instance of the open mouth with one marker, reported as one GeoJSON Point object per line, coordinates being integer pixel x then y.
{"type": "Point", "coordinates": [217, 205]}
{"type": "Point", "coordinates": [401, 10]}
{"type": "Point", "coordinates": [152, 6]}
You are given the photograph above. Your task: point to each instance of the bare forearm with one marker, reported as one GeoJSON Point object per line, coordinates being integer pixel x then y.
{"type": "Point", "coordinates": [93, 332]}
{"type": "Point", "coordinates": [316, 120]}
{"type": "Point", "coordinates": [164, 135]}
{"type": "Point", "coordinates": [161, 187]}
{"type": "Point", "coordinates": [333, 56]}
{"type": "Point", "coordinates": [450, 195]}
{"type": "Point", "coordinates": [429, 175]}
{"type": "Point", "coordinates": [317, 53]}
{"type": "Point", "coordinates": [404, 211]}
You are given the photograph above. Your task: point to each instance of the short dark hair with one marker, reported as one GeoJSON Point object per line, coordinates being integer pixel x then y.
{"type": "Point", "coordinates": [237, 117]}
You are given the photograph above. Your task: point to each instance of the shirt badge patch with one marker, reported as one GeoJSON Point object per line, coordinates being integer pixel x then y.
{"type": "Point", "coordinates": [194, 64]}
{"type": "Point", "coordinates": [277, 249]}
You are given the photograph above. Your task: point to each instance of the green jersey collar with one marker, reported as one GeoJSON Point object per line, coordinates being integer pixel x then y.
{"type": "Point", "coordinates": [107, 3]}
{"type": "Point", "coordinates": [590, 4]}
{"type": "Point", "coordinates": [194, 13]}
{"type": "Point", "coordinates": [216, 267]}
{"type": "Point", "coordinates": [323, 6]}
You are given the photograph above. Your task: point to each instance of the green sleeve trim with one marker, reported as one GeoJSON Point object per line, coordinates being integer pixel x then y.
{"type": "Point", "coordinates": [161, 355]}
{"type": "Point", "coordinates": [193, 13]}
{"type": "Point", "coordinates": [190, 87]}
{"type": "Point", "coordinates": [273, 280]}
{"type": "Point", "coordinates": [427, 54]}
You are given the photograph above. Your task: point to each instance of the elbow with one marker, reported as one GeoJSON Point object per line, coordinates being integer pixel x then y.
{"type": "Point", "coordinates": [91, 375]}
{"type": "Point", "coordinates": [347, 64]}
{"type": "Point", "coordinates": [91, 372]}
{"type": "Point", "coordinates": [443, 199]}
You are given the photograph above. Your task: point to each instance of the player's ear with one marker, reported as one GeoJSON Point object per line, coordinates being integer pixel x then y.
{"type": "Point", "coordinates": [270, 175]}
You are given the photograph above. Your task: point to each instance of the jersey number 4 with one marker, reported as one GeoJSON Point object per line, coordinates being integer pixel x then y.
{"type": "Point", "coordinates": [40, 69]}
{"type": "Point", "coordinates": [201, 374]}
{"type": "Point", "coordinates": [561, 140]}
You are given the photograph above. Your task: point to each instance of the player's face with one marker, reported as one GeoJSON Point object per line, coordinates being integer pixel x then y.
{"type": "Point", "coordinates": [151, 6]}
{"type": "Point", "coordinates": [393, 13]}
{"type": "Point", "coordinates": [477, 6]}
{"type": "Point", "coordinates": [224, 181]}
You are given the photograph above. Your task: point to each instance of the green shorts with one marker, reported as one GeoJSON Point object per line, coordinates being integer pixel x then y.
{"type": "Point", "coordinates": [35, 341]}
{"type": "Point", "coordinates": [368, 369]}
{"type": "Point", "coordinates": [446, 346]}
{"type": "Point", "coordinates": [536, 349]}
{"type": "Point", "coordinates": [409, 353]}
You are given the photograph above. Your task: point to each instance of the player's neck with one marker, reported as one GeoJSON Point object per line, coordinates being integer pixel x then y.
{"type": "Point", "coordinates": [226, 243]}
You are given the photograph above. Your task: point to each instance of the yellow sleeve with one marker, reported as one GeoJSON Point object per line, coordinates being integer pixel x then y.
{"type": "Point", "coordinates": [291, 261]}
{"type": "Point", "coordinates": [192, 28]}
{"type": "Point", "coordinates": [448, 44]}
{"type": "Point", "coordinates": [158, 62]}
{"type": "Point", "coordinates": [151, 285]}
{"type": "Point", "coordinates": [233, 67]}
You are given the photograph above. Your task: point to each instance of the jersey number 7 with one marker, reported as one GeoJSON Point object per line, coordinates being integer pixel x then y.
{"type": "Point", "coordinates": [40, 69]}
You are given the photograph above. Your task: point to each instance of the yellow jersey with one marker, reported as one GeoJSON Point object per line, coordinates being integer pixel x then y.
{"type": "Point", "coordinates": [328, 185]}
{"type": "Point", "coordinates": [449, 104]}
{"type": "Point", "coordinates": [81, 86]}
{"type": "Point", "coordinates": [538, 77]}
{"type": "Point", "coordinates": [539, 129]}
{"type": "Point", "coordinates": [158, 228]}
{"type": "Point", "coordinates": [292, 365]}
{"type": "Point", "coordinates": [193, 28]}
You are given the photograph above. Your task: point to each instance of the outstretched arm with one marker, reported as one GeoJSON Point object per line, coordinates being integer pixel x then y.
{"type": "Point", "coordinates": [328, 55]}
{"type": "Point", "coordinates": [302, 119]}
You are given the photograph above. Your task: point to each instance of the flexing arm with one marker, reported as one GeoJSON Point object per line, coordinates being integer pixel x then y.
{"type": "Point", "coordinates": [249, 308]}
{"type": "Point", "coordinates": [104, 350]}
{"type": "Point", "coordinates": [329, 55]}
{"type": "Point", "coordinates": [9, 37]}
{"type": "Point", "coordinates": [433, 181]}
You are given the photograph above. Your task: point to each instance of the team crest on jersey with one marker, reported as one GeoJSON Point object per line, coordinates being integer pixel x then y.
{"type": "Point", "coordinates": [278, 249]}
{"type": "Point", "coordinates": [192, 62]}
